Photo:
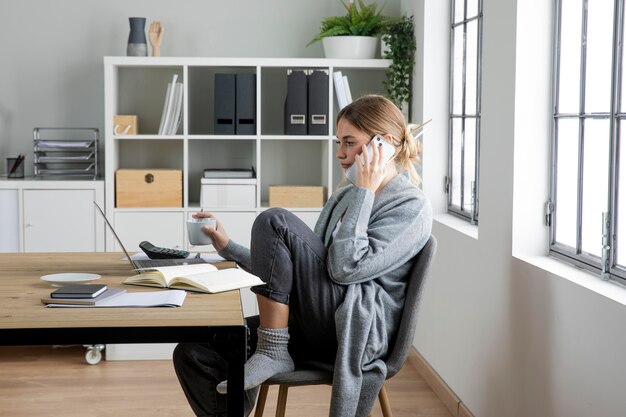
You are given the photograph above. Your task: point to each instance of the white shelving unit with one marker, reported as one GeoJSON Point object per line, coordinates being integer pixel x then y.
{"type": "Point", "coordinates": [137, 85]}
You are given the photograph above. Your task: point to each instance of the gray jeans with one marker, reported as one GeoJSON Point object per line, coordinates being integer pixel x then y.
{"type": "Point", "coordinates": [291, 260]}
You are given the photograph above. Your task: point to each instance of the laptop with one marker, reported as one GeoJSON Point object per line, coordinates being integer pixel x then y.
{"type": "Point", "coordinates": [148, 263]}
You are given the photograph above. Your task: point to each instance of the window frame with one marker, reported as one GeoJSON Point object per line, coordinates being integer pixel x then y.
{"type": "Point", "coordinates": [606, 266]}
{"type": "Point", "coordinates": [459, 211]}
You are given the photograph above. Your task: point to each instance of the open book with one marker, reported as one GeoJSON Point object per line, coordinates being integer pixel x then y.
{"type": "Point", "coordinates": [195, 277]}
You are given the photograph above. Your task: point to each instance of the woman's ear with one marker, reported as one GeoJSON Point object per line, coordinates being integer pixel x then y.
{"type": "Point", "coordinates": [388, 138]}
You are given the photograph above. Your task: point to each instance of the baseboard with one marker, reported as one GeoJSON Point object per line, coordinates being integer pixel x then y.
{"type": "Point", "coordinates": [464, 411]}
{"type": "Point", "coordinates": [452, 402]}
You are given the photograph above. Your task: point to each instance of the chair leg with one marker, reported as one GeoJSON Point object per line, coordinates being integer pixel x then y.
{"type": "Point", "coordinates": [281, 404]}
{"type": "Point", "coordinates": [260, 403]}
{"type": "Point", "coordinates": [384, 402]}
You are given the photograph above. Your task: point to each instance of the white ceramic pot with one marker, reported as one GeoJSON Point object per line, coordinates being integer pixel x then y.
{"type": "Point", "coordinates": [350, 47]}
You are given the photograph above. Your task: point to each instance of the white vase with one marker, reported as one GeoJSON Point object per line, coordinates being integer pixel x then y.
{"type": "Point", "coordinates": [350, 47]}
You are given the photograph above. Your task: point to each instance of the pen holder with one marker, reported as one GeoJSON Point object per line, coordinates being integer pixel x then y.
{"type": "Point", "coordinates": [15, 171]}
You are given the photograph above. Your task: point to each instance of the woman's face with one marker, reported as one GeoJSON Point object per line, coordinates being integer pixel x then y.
{"type": "Point", "coordinates": [350, 141]}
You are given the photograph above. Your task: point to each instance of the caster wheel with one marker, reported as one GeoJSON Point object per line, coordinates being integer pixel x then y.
{"type": "Point", "coordinates": [93, 356]}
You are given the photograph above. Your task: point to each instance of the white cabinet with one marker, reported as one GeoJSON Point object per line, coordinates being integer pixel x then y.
{"type": "Point", "coordinates": [59, 220]}
{"type": "Point", "coordinates": [161, 228]}
{"type": "Point", "coordinates": [51, 216]}
{"type": "Point", "coordinates": [9, 221]}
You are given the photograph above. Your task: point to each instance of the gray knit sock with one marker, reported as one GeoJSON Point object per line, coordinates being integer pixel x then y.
{"type": "Point", "coordinates": [270, 358]}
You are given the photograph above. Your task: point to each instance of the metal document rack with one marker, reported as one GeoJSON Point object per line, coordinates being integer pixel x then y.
{"type": "Point", "coordinates": [66, 152]}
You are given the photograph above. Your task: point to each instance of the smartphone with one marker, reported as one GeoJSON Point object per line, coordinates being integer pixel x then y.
{"type": "Point", "coordinates": [387, 149]}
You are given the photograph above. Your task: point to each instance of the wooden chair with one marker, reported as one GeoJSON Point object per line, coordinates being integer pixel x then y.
{"type": "Point", "coordinates": [395, 361]}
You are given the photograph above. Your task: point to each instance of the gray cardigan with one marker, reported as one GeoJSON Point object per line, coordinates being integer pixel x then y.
{"type": "Point", "coordinates": [371, 254]}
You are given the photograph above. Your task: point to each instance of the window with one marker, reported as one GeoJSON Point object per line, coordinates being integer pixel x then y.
{"type": "Point", "coordinates": [587, 186]}
{"type": "Point", "coordinates": [464, 129]}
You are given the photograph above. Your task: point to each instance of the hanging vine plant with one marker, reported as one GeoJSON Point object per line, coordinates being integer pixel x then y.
{"type": "Point", "coordinates": [400, 39]}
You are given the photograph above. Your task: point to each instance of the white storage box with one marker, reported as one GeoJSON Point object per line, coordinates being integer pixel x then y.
{"type": "Point", "coordinates": [218, 193]}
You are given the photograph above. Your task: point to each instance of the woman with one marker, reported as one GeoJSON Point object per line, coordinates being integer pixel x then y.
{"type": "Point", "coordinates": [333, 296]}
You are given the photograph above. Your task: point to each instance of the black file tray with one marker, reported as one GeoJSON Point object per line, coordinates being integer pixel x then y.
{"type": "Point", "coordinates": [66, 152]}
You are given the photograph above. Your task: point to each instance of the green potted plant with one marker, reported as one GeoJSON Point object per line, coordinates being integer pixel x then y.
{"type": "Point", "coordinates": [399, 37]}
{"type": "Point", "coordinates": [353, 35]}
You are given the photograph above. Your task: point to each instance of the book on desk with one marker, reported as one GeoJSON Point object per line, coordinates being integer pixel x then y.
{"type": "Point", "coordinates": [197, 277]}
{"type": "Point", "coordinates": [88, 301]}
{"type": "Point", "coordinates": [169, 298]}
{"type": "Point", "coordinates": [79, 291]}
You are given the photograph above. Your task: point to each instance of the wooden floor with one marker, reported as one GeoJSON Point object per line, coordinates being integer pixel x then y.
{"type": "Point", "coordinates": [46, 381]}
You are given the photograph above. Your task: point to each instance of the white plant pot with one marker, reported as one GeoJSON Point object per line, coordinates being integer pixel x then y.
{"type": "Point", "coordinates": [350, 47]}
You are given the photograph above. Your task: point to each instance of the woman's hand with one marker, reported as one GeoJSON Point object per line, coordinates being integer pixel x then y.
{"type": "Point", "coordinates": [370, 176]}
{"type": "Point", "coordinates": [219, 236]}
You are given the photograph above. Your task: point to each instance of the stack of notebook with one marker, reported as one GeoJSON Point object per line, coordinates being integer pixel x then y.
{"type": "Point", "coordinates": [82, 294]}
{"type": "Point", "coordinates": [89, 295]}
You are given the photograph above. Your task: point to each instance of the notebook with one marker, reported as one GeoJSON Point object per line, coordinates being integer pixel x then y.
{"type": "Point", "coordinates": [147, 263]}
{"type": "Point", "coordinates": [79, 291]}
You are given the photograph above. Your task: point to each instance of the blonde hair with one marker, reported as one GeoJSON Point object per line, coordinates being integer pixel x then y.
{"type": "Point", "coordinates": [377, 115]}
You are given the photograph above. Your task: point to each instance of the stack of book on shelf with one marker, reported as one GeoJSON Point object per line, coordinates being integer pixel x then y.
{"type": "Point", "coordinates": [342, 89]}
{"type": "Point", "coordinates": [172, 108]}
{"type": "Point", "coordinates": [229, 173]}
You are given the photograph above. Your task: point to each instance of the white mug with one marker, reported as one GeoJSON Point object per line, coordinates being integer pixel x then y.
{"type": "Point", "coordinates": [197, 236]}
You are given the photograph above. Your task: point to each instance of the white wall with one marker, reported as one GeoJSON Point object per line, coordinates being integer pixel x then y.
{"type": "Point", "coordinates": [51, 70]}
{"type": "Point", "coordinates": [510, 338]}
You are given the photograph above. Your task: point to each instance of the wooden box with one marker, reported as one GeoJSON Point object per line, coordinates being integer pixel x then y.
{"type": "Point", "coordinates": [125, 125]}
{"type": "Point", "coordinates": [148, 188]}
{"type": "Point", "coordinates": [295, 196]}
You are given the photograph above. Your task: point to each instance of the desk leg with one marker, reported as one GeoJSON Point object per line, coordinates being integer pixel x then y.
{"type": "Point", "coordinates": [231, 343]}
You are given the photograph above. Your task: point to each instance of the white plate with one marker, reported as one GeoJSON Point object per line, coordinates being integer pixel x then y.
{"type": "Point", "coordinates": [70, 278]}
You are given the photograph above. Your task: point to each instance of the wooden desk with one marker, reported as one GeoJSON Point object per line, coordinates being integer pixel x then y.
{"type": "Point", "coordinates": [24, 320]}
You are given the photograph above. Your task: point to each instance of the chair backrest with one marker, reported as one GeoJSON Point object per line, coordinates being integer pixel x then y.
{"type": "Point", "coordinates": [408, 323]}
